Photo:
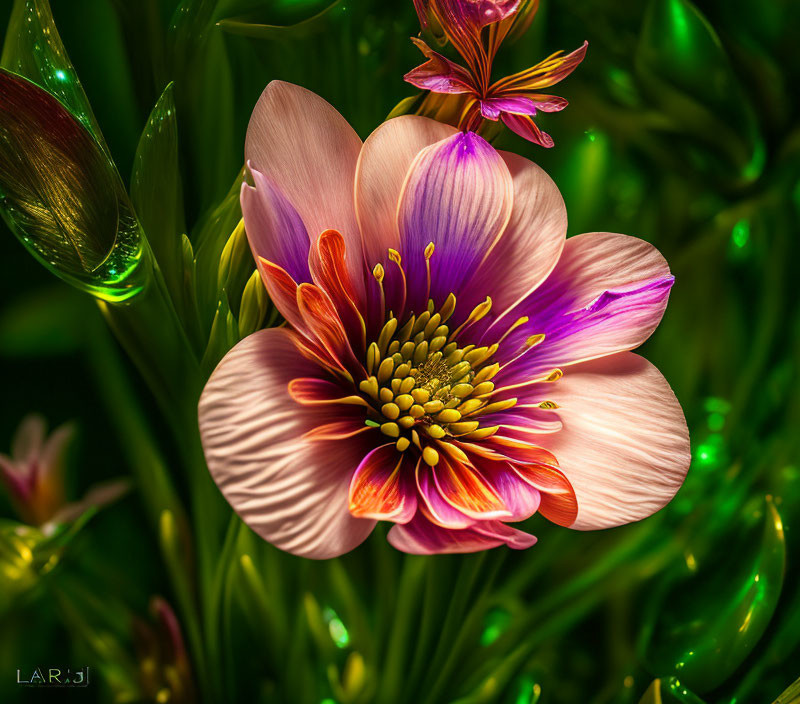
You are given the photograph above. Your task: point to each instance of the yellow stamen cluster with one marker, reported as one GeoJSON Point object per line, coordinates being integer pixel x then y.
{"type": "Point", "coordinates": [424, 387]}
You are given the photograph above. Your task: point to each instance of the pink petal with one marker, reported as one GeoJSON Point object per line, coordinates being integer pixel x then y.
{"type": "Point", "coordinates": [516, 104]}
{"type": "Point", "coordinates": [382, 168]}
{"type": "Point", "coordinates": [458, 195]}
{"type": "Point", "coordinates": [525, 127]}
{"type": "Point", "coordinates": [607, 294]}
{"type": "Point", "coordinates": [28, 440]}
{"type": "Point", "coordinates": [520, 498]}
{"type": "Point", "coordinates": [307, 149]}
{"type": "Point", "coordinates": [439, 74]}
{"type": "Point", "coordinates": [624, 446]}
{"type": "Point", "coordinates": [274, 228]}
{"type": "Point", "coordinates": [383, 488]}
{"type": "Point", "coordinates": [292, 490]}
{"type": "Point", "coordinates": [530, 246]}
{"type": "Point", "coordinates": [421, 537]}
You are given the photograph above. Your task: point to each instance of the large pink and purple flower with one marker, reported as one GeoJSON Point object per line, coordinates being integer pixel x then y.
{"type": "Point", "coordinates": [451, 362]}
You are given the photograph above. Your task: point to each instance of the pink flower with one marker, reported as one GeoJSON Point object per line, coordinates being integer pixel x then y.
{"type": "Point", "coordinates": [514, 99]}
{"type": "Point", "coordinates": [33, 474]}
{"type": "Point", "coordinates": [451, 363]}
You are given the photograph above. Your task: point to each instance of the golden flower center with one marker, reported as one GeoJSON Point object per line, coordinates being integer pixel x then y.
{"type": "Point", "coordinates": [424, 387]}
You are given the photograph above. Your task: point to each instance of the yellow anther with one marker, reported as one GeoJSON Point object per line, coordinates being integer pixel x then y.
{"type": "Point", "coordinates": [548, 405]}
{"type": "Point", "coordinates": [385, 370]}
{"type": "Point", "coordinates": [406, 422]}
{"type": "Point", "coordinates": [481, 433]}
{"type": "Point", "coordinates": [373, 358]}
{"type": "Point", "coordinates": [415, 439]}
{"type": "Point", "coordinates": [421, 353]}
{"type": "Point", "coordinates": [394, 348]}
{"type": "Point", "coordinates": [555, 375]}
{"type": "Point", "coordinates": [406, 385]}
{"type": "Point", "coordinates": [421, 395]}
{"type": "Point", "coordinates": [486, 373]}
{"type": "Point", "coordinates": [402, 370]}
{"type": "Point", "coordinates": [407, 350]}
{"type": "Point", "coordinates": [461, 390]}
{"type": "Point", "coordinates": [496, 406]}
{"type": "Point", "coordinates": [431, 304]}
{"type": "Point", "coordinates": [405, 331]}
{"type": "Point", "coordinates": [437, 343]}
{"type": "Point", "coordinates": [470, 406]}
{"type": "Point", "coordinates": [432, 324]}
{"type": "Point", "coordinates": [449, 306]}
{"type": "Point", "coordinates": [390, 410]}
{"type": "Point", "coordinates": [433, 406]}
{"type": "Point", "coordinates": [391, 429]}
{"type": "Point", "coordinates": [386, 395]}
{"type": "Point", "coordinates": [475, 355]}
{"type": "Point", "coordinates": [379, 273]}
{"type": "Point", "coordinates": [429, 250]}
{"type": "Point", "coordinates": [481, 310]}
{"type": "Point", "coordinates": [455, 452]}
{"type": "Point", "coordinates": [422, 321]}
{"type": "Point", "coordinates": [404, 401]}
{"type": "Point", "coordinates": [460, 370]}
{"type": "Point", "coordinates": [482, 389]}
{"type": "Point", "coordinates": [436, 431]}
{"type": "Point", "coordinates": [534, 340]}
{"type": "Point", "coordinates": [449, 415]}
{"type": "Point", "coordinates": [402, 444]}
{"type": "Point", "coordinates": [370, 387]}
{"type": "Point", "coordinates": [394, 255]}
{"type": "Point", "coordinates": [453, 357]}
{"type": "Point", "coordinates": [464, 427]}
{"type": "Point", "coordinates": [416, 411]}
{"type": "Point", "coordinates": [386, 333]}
{"type": "Point", "coordinates": [430, 456]}
{"type": "Point", "coordinates": [395, 385]}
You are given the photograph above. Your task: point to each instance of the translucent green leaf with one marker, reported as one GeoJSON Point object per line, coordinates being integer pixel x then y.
{"type": "Point", "coordinates": [157, 194]}
{"type": "Point", "coordinates": [707, 620]}
{"type": "Point", "coordinates": [60, 194]}
{"type": "Point", "coordinates": [33, 49]}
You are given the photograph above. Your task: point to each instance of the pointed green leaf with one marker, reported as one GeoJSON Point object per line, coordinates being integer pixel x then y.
{"type": "Point", "coordinates": [61, 195]}
{"type": "Point", "coordinates": [157, 194]}
{"type": "Point", "coordinates": [33, 49]}
{"type": "Point", "coordinates": [705, 622]}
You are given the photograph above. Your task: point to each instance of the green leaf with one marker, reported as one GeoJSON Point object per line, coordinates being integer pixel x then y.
{"type": "Point", "coordinates": [157, 194]}
{"type": "Point", "coordinates": [61, 195]}
{"type": "Point", "coordinates": [33, 49]}
{"type": "Point", "coordinates": [299, 30]}
{"type": "Point", "coordinates": [707, 619]}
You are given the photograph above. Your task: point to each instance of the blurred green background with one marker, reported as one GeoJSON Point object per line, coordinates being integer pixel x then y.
{"type": "Point", "coordinates": [683, 129]}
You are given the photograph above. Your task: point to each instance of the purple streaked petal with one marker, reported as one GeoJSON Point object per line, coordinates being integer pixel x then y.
{"type": "Point", "coordinates": [530, 246]}
{"type": "Point", "coordinates": [439, 74]}
{"type": "Point", "coordinates": [521, 499]}
{"type": "Point", "coordinates": [436, 508]}
{"type": "Point", "coordinates": [474, 14]}
{"type": "Point", "coordinates": [547, 103]}
{"type": "Point", "coordinates": [607, 294]}
{"type": "Point", "coordinates": [421, 537]}
{"type": "Point", "coordinates": [274, 228]}
{"type": "Point", "coordinates": [515, 104]}
{"type": "Point", "coordinates": [458, 195]}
